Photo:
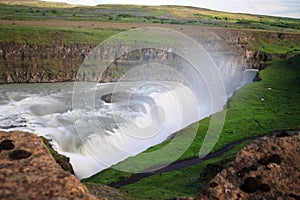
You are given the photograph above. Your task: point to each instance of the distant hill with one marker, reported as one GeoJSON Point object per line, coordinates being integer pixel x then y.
{"type": "Point", "coordinates": [39, 10]}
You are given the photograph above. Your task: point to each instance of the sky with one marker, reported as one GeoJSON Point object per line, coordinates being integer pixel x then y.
{"type": "Point", "coordinates": [285, 8]}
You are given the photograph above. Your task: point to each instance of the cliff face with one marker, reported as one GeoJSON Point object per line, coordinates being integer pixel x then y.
{"type": "Point", "coordinates": [232, 51]}
{"type": "Point", "coordinates": [266, 169]}
{"type": "Point", "coordinates": [28, 171]}
{"type": "Point", "coordinates": [23, 63]}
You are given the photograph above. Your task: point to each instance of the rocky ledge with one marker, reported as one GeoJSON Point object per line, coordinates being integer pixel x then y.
{"type": "Point", "coordinates": [266, 169]}
{"type": "Point", "coordinates": [28, 171]}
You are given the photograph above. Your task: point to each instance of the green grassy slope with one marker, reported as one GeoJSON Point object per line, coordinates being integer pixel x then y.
{"type": "Point", "coordinates": [36, 10]}
{"type": "Point", "coordinates": [47, 36]}
{"type": "Point", "coordinates": [256, 109]}
{"type": "Point", "coordinates": [36, 3]}
{"type": "Point", "coordinates": [183, 183]}
{"type": "Point", "coordinates": [273, 44]}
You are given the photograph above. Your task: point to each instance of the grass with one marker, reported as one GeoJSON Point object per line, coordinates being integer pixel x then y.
{"type": "Point", "coordinates": [247, 20]}
{"type": "Point", "coordinates": [71, 36]}
{"type": "Point", "coordinates": [276, 44]}
{"type": "Point", "coordinates": [37, 10]}
{"type": "Point", "coordinates": [278, 47]}
{"type": "Point", "coordinates": [36, 3]}
{"type": "Point", "coordinates": [62, 160]}
{"type": "Point", "coordinates": [189, 181]}
{"type": "Point", "coordinates": [48, 36]}
{"type": "Point", "coordinates": [261, 107]}
{"type": "Point", "coordinates": [256, 109]}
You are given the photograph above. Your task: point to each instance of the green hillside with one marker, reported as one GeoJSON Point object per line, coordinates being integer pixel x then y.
{"type": "Point", "coordinates": [37, 10]}
{"type": "Point", "coordinates": [247, 115]}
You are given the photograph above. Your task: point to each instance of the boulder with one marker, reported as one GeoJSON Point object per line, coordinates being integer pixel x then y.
{"type": "Point", "coordinates": [28, 171]}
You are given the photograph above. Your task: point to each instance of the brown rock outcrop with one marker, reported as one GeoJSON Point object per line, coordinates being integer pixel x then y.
{"type": "Point", "coordinates": [28, 171]}
{"type": "Point", "coordinates": [266, 169]}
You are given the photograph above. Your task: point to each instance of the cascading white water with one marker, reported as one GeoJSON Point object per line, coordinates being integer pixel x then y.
{"type": "Point", "coordinates": [150, 114]}
{"type": "Point", "coordinates": [132, 125]}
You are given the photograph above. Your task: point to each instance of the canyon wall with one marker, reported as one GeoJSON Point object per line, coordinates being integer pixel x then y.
{"type": "Point", "coordinates": [231, 50]}
{"type": "Point", "coordinates": [23, 63]}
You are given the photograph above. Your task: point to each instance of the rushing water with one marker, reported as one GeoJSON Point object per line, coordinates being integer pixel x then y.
{"type": "Point", "coordinates": [147, 116]}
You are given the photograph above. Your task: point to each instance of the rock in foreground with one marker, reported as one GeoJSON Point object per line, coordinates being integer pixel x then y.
{"type": "Point", "coordinates": [28, 171]}
{"type": "Point", "coordinates": [266, 169]}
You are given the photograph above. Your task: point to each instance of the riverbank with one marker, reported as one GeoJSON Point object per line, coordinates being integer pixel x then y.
{"type": "Point", "coordinates": [178, 165]}
{"type": "Point", "coordinates": [252, 111]}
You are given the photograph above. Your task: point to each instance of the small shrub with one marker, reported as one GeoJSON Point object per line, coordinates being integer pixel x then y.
{"type": "Point", "coordinates": [54, 11]}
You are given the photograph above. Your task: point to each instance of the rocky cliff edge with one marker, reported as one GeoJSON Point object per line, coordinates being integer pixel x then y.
{"type": "Point", "coordinates": [268, 168]}
{"type": "Point", "coordinates": [28, 171]}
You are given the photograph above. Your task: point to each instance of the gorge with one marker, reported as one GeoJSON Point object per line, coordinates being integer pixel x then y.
{"type": "Point", "coordinates": [48, 109]}
{"type": "Point", "coordinates": [150, 106]}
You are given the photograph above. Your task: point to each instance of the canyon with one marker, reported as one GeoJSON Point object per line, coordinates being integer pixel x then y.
{"type": "Point", "coordinates": [58, 48]}
{"type": "Point", "coordinates": [232, 50]}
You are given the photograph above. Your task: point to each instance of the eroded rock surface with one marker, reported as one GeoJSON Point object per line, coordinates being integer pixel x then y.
{"type": "Point", "coordinates": [28, 171]}
{"type": "Point", "coordinates": [266, 169]}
